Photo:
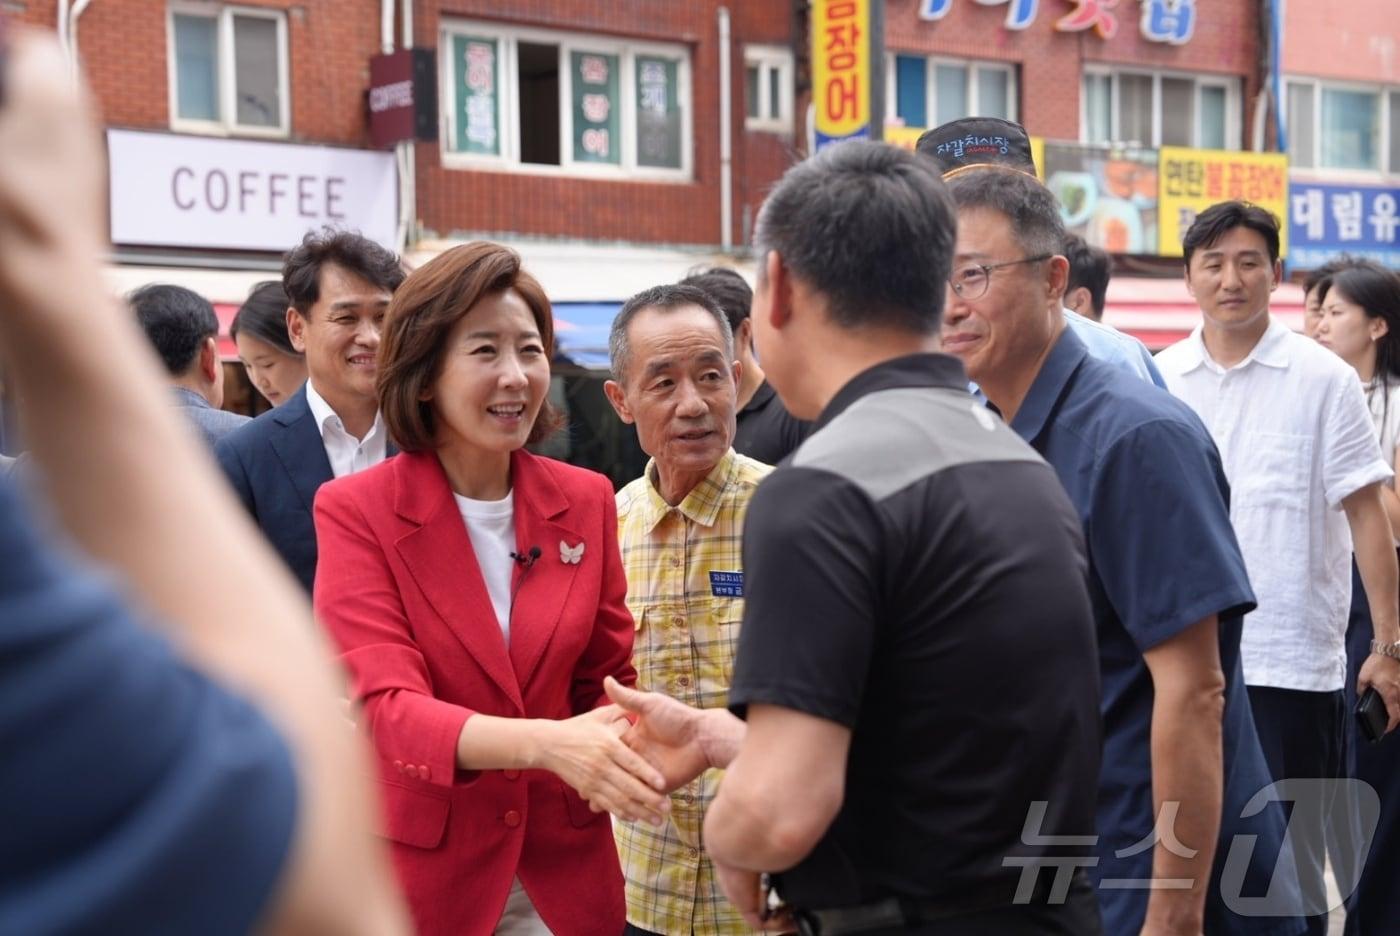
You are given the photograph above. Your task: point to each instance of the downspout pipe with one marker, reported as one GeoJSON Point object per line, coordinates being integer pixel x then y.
{"type": "Point", "coordinates": [62, 26]}
{"type": "Point", "coordinates": [72, 33]}
{"type": "Point", "coordinates": [406, 153]}
{"type": "Point", "coordinates": [726, 143]}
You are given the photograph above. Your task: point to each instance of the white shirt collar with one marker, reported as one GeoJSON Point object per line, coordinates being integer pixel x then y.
{"type": "Point", "coordinates": [1271, 350]}
{"type": "Point", "coordinates": [326, 417]}
{"type": "Point", "coordinates": [346, 453]}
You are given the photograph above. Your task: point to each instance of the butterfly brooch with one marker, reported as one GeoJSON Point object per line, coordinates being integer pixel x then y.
{"type": "Point", "coordinates": [570, 555]}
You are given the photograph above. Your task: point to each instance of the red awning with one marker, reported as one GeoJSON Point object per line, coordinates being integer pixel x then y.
{"type": "Point", "coordinates": [1160, 312]}
{"type": "Point", "coordinates": [226, 314]}
{"type": "Point", "coordinates": [225, 311]}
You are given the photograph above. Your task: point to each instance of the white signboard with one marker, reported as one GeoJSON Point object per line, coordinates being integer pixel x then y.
{"type": "Point", "coordinates": [190, 191]}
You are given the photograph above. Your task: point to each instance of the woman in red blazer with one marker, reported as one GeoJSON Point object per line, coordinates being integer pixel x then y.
{"type": "Point", "coordinates": [476, 594]}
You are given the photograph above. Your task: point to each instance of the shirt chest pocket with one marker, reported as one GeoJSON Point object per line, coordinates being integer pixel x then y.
{"type": "Point", "coordinates": [715, 648]}
{"type": "Point", "coordinates": [1272, 471]}
{"type": "Point", "coordinates": [686, 649]}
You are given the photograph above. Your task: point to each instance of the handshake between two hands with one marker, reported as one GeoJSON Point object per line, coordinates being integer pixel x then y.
{"type": "Point", "coordinates": [625, 758]}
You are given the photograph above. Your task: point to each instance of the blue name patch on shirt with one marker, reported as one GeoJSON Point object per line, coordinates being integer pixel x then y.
{"type": "Point", "coordinates": [727, 584]}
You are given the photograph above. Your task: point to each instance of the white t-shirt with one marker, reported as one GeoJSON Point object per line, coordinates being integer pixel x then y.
{"type": "Point", "coordinates": [491, 527]}
{"type": "Point", "coordinates": [346, 453]}
{"type": "Point", "coordinates": [1385, 413]}
{"type": "Point", "coordinates": [1296, 440]}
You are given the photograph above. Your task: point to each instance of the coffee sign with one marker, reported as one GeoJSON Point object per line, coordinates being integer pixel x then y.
{"type": "Point", "coordinates": [187, 191]}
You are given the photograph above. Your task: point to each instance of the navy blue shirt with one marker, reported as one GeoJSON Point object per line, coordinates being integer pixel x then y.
{"type": "Point", "coordinates": [1150, 490]}
{"type": "Point", "coordinates": [136, 796]}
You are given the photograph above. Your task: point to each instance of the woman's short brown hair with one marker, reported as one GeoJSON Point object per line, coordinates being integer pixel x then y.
{"type": "Point", "coordinates": [413, 340]}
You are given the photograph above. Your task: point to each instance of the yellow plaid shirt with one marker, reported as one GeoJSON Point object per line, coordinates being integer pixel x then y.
{"type": "Point", "coordinates": [685, 591]}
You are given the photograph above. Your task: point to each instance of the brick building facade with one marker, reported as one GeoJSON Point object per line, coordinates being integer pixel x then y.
{"type": "Point", "coordinates": [1340, 90]}
{"type": "Point", "coordinates": [125, 47]}
{"type": "Point", "coordinates": [1050, 60]}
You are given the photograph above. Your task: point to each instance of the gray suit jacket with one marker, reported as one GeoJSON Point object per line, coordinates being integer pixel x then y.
{"type": "Point", "coordinates": [213, 424]}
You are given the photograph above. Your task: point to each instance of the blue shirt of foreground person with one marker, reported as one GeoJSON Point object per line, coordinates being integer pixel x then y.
{"type": "Point", "coordinates": [136, 796]}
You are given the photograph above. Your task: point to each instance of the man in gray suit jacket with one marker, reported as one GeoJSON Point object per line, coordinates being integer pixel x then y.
{"type": "Point", "coordinates": [183, 328]}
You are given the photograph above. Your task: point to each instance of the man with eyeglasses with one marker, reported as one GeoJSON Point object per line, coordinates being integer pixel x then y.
{"type": "Point", "coordinates": [1166, 577]}
{"type": "Point", "coordinates": [973, 143]}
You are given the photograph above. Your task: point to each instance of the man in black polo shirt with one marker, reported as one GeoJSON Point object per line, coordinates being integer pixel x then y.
{"type": "Point", "coordinates": [764, 429]}
{"type": "Point", "coordinates": [917, 665]}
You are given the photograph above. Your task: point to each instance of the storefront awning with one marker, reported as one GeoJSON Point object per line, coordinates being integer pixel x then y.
{"type": "Point", "coordinates": [1160, 312]}
{"type": "Point", "coordinates": [580, 331]}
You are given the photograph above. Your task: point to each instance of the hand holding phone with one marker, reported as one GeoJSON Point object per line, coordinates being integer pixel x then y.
{"type": "Point", "coordinates": [1371, 715]}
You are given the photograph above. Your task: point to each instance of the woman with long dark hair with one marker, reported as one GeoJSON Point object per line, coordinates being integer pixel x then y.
{"type": "Point", "coordinates": [1361, 322]}
{"type": "Point", "coordinates": [259, 330]}
{"type": "Point", "coordinates": [1360, 306]}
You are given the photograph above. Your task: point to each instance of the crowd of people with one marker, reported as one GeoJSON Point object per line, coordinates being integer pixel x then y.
{"type": "Point", "coordinates": [940, 607]}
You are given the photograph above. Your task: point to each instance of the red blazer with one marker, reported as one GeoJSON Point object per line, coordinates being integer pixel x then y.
{"type": "Point", "coordinates": [401, 594]}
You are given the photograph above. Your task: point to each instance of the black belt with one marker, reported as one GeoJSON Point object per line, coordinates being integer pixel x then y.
{"type": "Point", "coordinates": [902, 913]}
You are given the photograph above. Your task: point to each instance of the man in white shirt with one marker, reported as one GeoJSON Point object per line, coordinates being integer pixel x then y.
{"type": "Point", "coordinates": [1305, 472]}
{"type": "Point", "coordinates": [339, 285]}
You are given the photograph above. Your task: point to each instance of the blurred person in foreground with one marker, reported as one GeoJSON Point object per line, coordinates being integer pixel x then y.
{"type": "Point", "coordinates": [146, 793]}
{"type": "Point", "coordinates": [764, 429]}
{"type": "Point", "coordinates": [916, 666]}
{"type": "Point", "coordinates": [183, 329]}
{"type": "Point", "coordinates": [259, 331]}
{"type": "Point", "coordinates": [476, 593]}
{"type": "Point", "coordinates": [674, 377]}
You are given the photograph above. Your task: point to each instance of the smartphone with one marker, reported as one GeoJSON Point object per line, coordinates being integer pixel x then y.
{"type": "Point", "coordinates": [1371, 713]}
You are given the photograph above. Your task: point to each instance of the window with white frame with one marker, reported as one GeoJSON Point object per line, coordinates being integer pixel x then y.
{"type": "Point", "coordinates": [1160, 109]}
{"type": "Point", "coordinates": [537, 100]}
{"type": "Point", "coordinates": [927, 92]}
{"type": "Point", "coordinates": [767, 88]}
{"type": "Point", "coordinates": [228, 70]}
{"type": "Point", "coordinates": [1336, 125]}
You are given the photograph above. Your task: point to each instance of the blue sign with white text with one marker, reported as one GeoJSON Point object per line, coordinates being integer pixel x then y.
{"type": "Point", "coordinates": [1325, 220]}
{"type": "Point", "coordinates": [727, 584]}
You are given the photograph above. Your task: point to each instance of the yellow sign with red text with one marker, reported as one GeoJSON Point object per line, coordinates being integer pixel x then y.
{"type": "Point", "coordinates": [1191, 180]}
{"type": "Point", "coordinates": [842, 77]}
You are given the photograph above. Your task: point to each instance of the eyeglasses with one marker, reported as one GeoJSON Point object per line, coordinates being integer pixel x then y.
{"type": "Point", "coordinates": [971, 281]}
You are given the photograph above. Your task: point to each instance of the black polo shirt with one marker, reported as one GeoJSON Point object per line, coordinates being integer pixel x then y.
{"type": "Point", "coordinates": [765, 430]}
{"type": "Point", "coordinates": [916, 573]}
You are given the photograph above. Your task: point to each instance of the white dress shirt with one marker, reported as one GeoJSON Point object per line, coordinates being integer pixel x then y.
{"type": "Point", "coordinates": [1296, 439]}
{"type": "Point", "coordinates": [347, 454]}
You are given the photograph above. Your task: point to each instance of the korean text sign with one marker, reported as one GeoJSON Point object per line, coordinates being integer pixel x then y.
{"type": "Point", "coordinates": [1325, 220]}
{"type": "Point", "coordinates": [1192, 180]}
{"type": "Point", "coordinates": [841, 70]}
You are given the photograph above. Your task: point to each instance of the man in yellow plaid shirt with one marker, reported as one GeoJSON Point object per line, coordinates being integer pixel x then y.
{"type": "Point", "coordinates": [680, 528]}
